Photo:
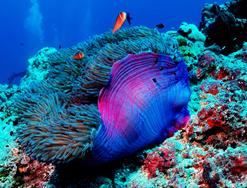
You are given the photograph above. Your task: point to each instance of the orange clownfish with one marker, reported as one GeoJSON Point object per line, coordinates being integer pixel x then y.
{"type": "Point", "coordinates": [122, 16]}
{"type": "Point", "coordinates": [78, 56]}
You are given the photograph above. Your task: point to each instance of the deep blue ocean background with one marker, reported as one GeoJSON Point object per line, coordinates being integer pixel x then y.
{"type": "Point", "coordinates": [29, 25]}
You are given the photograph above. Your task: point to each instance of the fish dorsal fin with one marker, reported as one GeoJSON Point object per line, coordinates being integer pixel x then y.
{"type": "Point", "coordinates": [129, 18]}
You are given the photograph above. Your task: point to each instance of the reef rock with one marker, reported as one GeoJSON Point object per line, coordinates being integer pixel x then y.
{"type": "Point", "coordinates": [225, 25]}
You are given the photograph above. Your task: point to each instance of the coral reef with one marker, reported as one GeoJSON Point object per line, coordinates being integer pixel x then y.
{"type": "Point", "coordinates": [210, 151]}
{"type": "Point", "coordinates": [8, 146]}
{"type": "Point", "coordinates": [225, 25]}
{"type": "Point", "coordinates": [212, 147]}
{"type": "Point", "coordinates": [191, 32]}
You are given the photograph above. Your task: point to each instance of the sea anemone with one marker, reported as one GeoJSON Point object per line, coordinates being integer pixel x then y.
{"type": "Point", "coordinates": [129, 91]}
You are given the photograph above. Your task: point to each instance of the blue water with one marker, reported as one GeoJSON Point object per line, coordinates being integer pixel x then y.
{"type": "Point", "coordinates": [28, 25]}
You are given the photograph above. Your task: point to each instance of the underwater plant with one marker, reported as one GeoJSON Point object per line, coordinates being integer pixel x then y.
{"type": "Point", "coordinates": [129, 90]}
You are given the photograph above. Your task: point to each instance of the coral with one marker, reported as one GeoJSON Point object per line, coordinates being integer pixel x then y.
{"type": "Point", "coordinates": [31, 173]}
{"type": "Point", "coordinates": [189, 46]}
{"type": "Point", "coordinates": [229, 18]}
{"type": "Point", "coordinates": [160, 160]}
{"type": "Point", "coordinates": [8, 155]}
{"type": "Point", "coordinates": [191, 32]}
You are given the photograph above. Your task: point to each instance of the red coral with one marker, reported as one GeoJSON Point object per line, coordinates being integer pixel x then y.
{"type": "Point", "coordinates": [222, 73]}
{"type": "Point", "coordinates": [213, 117]}
{"type": "Point", "coordinates": [211, 88]}
{"type": "Point", "coordinates": [169, 157]}
{"type": "Point", "coordinates": [214, 122]}
{"type": "Point", "coordinates": [239, 165]}
{"type": "Point", "coordinates": [226, 74]}
{"type": "Point", "coordinates": [159, 160]}
{"type": "Point", "coordinates": [203, 114]}
{"type": "Point", "coordinates": [234, 166]}
{"type": "Point", "coordinates": [152, 163]}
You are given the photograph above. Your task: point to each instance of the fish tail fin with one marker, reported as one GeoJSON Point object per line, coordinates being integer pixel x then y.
{"type": "Point", "coordinates": [57, 134]}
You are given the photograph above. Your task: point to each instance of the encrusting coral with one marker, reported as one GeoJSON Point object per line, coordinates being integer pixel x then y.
{"type": "Point", "coordinates": [129, 91]}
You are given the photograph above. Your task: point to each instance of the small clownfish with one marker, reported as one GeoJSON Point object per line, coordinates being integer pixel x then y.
{"type": "Point", "coordinates": [78, 56]}
{"type": "Point", "coordinates": [121, 18]}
